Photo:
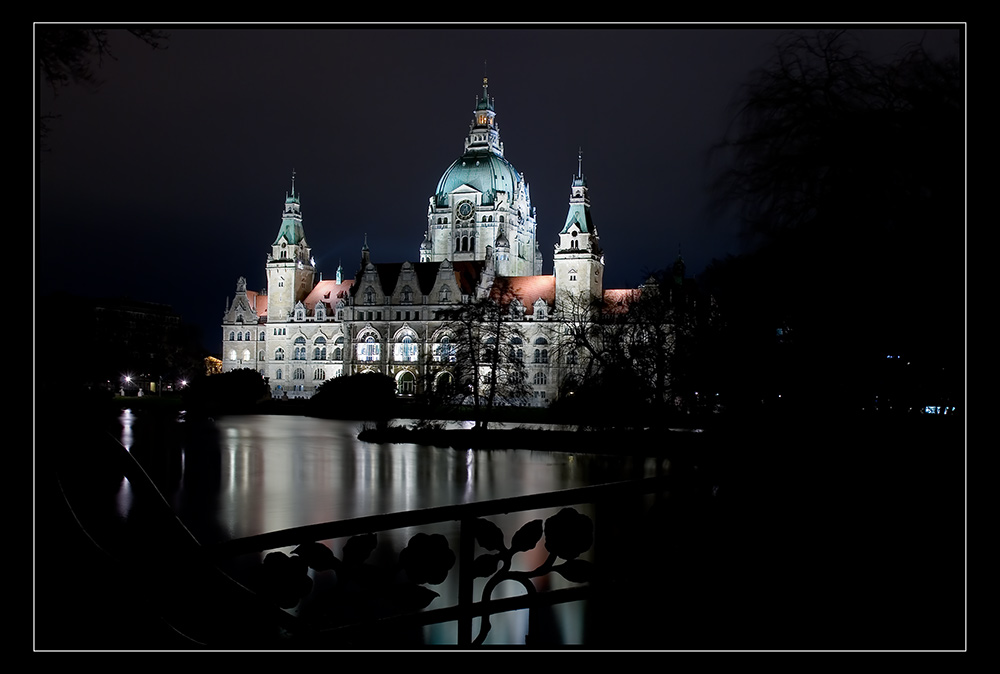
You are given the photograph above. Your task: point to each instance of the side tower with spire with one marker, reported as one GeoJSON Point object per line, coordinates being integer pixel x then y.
{"type": "Point", "coordinates": [290, 268]}
{"type": "Point", "coordinates": [578, 261]}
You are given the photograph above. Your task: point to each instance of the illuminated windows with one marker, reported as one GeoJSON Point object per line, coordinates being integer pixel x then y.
{"type": "Point", "coordinates": [369, 349]}
{"type": "Point", "coordinates": [406, 349]}
{"type": "Point", "coordinates": [445, 351]}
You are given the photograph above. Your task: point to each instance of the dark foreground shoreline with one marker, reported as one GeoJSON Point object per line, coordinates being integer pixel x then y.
{"type": "Point", "coordinates": [634, 441]}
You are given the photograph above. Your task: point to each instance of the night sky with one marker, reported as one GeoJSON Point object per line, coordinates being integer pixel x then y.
{"type": "Point", "coordinates": [167, 182]}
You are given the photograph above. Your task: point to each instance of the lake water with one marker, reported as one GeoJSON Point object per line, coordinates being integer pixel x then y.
{"type": "Point", "coordinates": [255, 474]}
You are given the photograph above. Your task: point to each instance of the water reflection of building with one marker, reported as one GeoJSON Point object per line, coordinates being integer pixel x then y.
{"type": "Point", "coordinates": [480, 228]}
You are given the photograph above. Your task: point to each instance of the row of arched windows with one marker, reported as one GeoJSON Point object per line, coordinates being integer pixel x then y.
{"type": "Point", "coordinates": [405, 350]}
{"type": "Point", "coordinates": [319, 353]}
{"type": "Point", "coordinates": [243, 336]}
{"type": "Point", "coordinates": [486, 218]}
{"type": "Point", "coordinates": [319, 374]}
{"type": "Point", "coordinates": [465, 243]}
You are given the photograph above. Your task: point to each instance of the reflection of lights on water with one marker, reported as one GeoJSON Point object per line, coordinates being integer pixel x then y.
{"type": "Point", "coordinates": [470, 460]}
{"type": "Point", "coordinates": [123, 499]}
{"type": "Point", "coordinates": [127, 419]}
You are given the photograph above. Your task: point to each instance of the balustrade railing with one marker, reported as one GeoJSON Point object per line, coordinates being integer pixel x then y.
{"type": "Point", "coordinates": [427, 560]}
{"type": "Point", "coordinates": [218, 608]}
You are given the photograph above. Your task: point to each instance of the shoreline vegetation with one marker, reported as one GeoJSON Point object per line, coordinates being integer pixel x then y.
{"type": "Point", "coordinates": [607, 441]}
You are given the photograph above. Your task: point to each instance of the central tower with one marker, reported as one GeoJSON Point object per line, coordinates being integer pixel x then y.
{"type": "Point", "coordinates": [481, 209]}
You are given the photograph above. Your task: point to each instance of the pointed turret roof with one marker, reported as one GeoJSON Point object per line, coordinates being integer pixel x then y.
{"type": "Point", "coordinates": [579, 202]}
{"type": "Point", "coordinates": [291, 219]}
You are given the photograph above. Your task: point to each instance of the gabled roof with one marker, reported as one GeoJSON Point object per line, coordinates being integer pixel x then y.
{"type": "Point", "coordinates": [617, 300]}
{"type": "Point", "coordinates": [467, 275]}
{"type": "Point", "coordinates": [328, 292]}
{"type": "Point", "coordinates": [258, 302]}
{"type": "Point", "coordinates": [528, 289]}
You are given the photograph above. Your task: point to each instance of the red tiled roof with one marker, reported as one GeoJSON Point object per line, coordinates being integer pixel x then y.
{"type": "Point", "coordinates": [258, 302]}
{"type": "Point", "coordinates": [617, 300]}
{"type": "Point", "coordinates": [529, 288]}
{"type": "Point", "coordinates": [328, 292]}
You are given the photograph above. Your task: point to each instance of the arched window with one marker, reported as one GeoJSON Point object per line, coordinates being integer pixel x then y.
{"type": "Point", "coordinates": [406, 349]}
{"type": "Point", "coordinates": [262, 335]}
{"type": "Point", "coordinates": [369, 295]}
{"type": "Point", "coordinates": [232, 336]}
{"type": "Point", "coordinates": [247, 335]}
{"type": "Point", "coordinates": [277, 373]}
{"type": "Point", "coordinates": [445, 294]}
{"type": "Point", "coordinates": [368, 350]}
{"type": "Point", "coordinates": [407, 295]}
{"type": "Point", "coordinates": [239, 336]}
{"type": "Point", "coordinates": [406, 384]}
{"type": "Point", "coordinates": [445, 383]}
{"type": "Point", "coordinates": [516, 349]}
{"type": "Point", "coordinates": [489, 349]}
{"type": "Point", "coordinates": [299, 373]}
{"type": "Point", "coordinates": [279, 354]}
{"type": "Point", "coordinates": [445, 351]}
{"type": "Point", "coordinates": [472, 243]}
{"type": "Point", "coordinates": [540, 379]}
{"type": "Point", "coordinates": [319, 374]}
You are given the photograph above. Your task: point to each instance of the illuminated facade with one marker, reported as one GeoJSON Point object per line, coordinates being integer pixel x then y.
{"type": "Point", "coordinates": [480, 227]}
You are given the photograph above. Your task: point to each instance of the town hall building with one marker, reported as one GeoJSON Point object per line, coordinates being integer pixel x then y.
{"type": "Point", "coordinates": [480, 230]}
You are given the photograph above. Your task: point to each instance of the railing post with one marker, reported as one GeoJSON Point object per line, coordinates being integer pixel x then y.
{"type": "Point", "coordinates": [466, 576]}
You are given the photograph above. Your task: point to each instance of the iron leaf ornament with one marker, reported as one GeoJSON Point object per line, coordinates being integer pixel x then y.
{"type": "Point", "coordinates": [568, 534]}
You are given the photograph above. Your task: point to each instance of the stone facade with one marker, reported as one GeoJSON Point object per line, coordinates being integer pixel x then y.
{"type": "Point", "coordinates": [480, 229]}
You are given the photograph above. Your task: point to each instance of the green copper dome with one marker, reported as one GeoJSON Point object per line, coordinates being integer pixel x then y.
{"type": "Point", "coordinates": [486, 172]}
{"type": "Point", "coordinates": [482, 165]}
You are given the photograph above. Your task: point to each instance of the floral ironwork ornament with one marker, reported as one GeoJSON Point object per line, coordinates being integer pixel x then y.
{"type": "Point", "coordinates": [568, 534]}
